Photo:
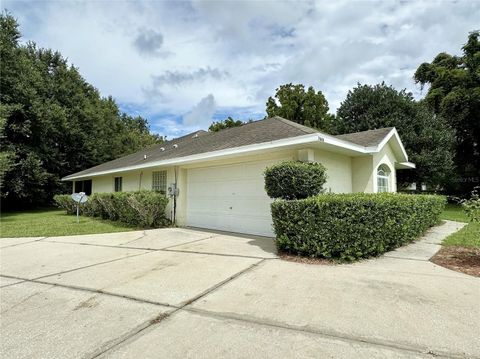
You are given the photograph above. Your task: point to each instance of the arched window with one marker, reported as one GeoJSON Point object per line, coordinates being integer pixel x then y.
{"type": "Point", "coordinates": [383, 178]}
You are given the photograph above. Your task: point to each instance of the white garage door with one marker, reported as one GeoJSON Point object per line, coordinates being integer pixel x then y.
{"type": "Point", "coordinates": [230, 198]}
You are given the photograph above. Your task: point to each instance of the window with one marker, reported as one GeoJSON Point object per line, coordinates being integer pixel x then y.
{"type": "Point", "coordinates": [159, 181]}
{"type": "Point", "coordinates": [383, 178]}
{"type": "Point", "coordinates": [83, 186]}
{"type": "Point", "coordinates": [118, 184]}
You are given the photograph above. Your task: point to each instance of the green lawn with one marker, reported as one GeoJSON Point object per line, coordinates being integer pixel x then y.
{"type": "Point", "coordinates": [53, 222]}
{"type": "Point", "coordinates": [469, 236]}
{"type": "Point", "coordinates": [454, 212]}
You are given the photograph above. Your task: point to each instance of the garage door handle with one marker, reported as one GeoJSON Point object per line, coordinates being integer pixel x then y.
{"type": "Point", "coordinates": [231, 207]}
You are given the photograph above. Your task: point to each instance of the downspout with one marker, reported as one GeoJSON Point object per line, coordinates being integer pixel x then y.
{"type": "Point", "coordinates": [140, 181]}
{"type": "Point", "coordinates": [175, 191]}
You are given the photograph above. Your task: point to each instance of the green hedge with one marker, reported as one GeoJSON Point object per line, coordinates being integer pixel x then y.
{"type": "Point", "coordinates": [294, 180]}
{"type": "Point", "coordinates": [140, 209]}
{"type": "Point", "coordinates": [352, 226]}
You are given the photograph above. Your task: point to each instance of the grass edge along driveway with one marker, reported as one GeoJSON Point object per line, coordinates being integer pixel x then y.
{"type": "Point", "coordinates": [469, 236]}
{"type": "Point", "coordinates": [54, 222]}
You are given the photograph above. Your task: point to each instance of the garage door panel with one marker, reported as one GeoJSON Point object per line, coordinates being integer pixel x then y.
{"type": "Point", "coordinates": [230, 198]}
{"type": "Point", "coordinates": [241, 206]}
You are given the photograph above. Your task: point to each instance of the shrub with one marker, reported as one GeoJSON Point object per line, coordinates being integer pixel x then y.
{"type": "Point", "coordinates": [472, 205]}
{"type": "Point", "coordinates": [352, 226]}
{"type": "Point", "coordinates": [294, 180]}
{"type": "Point", "coordinates": [65, 201]}
{"type": "Point", "coordinates": [140, 209]}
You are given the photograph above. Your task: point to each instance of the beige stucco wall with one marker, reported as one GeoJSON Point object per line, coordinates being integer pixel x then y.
{"type": "Point", "coordinates": [387, 157]}
{"type": "Point", "coordinates": [339, 171]}
{"type": "Point", "coordinates": [362, 174]}
{"type": "Point", "coordinates": [364, 171]}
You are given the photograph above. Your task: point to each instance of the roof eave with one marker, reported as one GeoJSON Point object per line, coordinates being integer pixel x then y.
{"type": "Point", "coordinates": [405, 166]}
{"type": "Point", "coordinates": [298, 140]}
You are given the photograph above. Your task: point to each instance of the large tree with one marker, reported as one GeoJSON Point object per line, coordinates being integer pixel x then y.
{"type": "Point", "coordinates": [427, 137]}
{"type": "Point", "coordinates": [55, 123]}
{"type": "Point", "coordinates": [454, 93]}
{"type": "Point", "coordinates": [309, 108]}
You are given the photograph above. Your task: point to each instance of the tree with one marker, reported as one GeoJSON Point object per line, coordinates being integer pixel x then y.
{"type": "Point", "coordinates": [307, 108]}
{"type": "Point", "coordinates": [454, 93]}
{"type": "Point", "coordinates": [54, 122]}
{"type": "Point", "coordinates": [228, 123]}
{"type": "Point", "coordinates": [426, 136]}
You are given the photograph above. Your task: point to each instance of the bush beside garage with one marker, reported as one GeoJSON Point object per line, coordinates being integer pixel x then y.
{"type": "Point", "coordinates": [347, 227]}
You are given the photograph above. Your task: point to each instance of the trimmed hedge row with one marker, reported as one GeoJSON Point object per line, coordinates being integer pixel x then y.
{"type": "Point", "coordinates": [144, 209]}
{"type": "Point", "coordinates": [295, 179]}
{"type": "Point", "coordinates": [352, 226]}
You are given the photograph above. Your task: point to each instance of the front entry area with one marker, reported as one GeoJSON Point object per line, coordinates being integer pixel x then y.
{"type": "Point", "coordinates": [230, 198]}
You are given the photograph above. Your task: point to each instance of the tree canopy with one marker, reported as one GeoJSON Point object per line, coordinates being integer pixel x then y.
{"type": "Point", "coordinates": [309, 108]}
{"type": "Point", "coordinates": [54, 122]}
{"type": "Point", "coordinates": [227, 123]}
{"type": "Point", "coordinates": [454, 94]}
{"type": "Point", "coordinates": [426, 136]}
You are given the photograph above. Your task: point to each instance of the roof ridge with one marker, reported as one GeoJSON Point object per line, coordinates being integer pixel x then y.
{"type": "Point", "coordinates": [375, 129]}
{"type": "Point", "coordinates": [303, 128]}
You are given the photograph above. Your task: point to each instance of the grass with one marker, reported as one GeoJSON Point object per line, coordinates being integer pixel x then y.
{"type": "Point", "coordinates": [53, 222]}
{"type": "Point", "coordinates": [454, 212]}
{"type": "Point", "coordinates": [468, 236]}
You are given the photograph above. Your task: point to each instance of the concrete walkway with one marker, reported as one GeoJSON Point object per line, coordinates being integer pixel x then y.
{"type": "Point", "coordinates": [183, 293]}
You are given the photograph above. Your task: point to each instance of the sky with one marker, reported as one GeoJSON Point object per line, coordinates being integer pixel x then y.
{"type": "Point", "coordinates": [184, 64]}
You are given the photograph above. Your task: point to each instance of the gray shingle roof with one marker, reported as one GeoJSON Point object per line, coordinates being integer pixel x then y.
{"type": "Point", "coordinates": [369, 138]}
{"type": "Point", "coordinates": [267, 130]}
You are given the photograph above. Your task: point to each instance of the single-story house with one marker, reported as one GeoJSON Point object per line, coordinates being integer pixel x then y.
{"type": "Point", "coordinates": [215, 179]}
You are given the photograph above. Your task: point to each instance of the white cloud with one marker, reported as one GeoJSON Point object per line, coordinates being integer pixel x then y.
{"type": "Point", "coordinates": [240, 51]}
{"type": "Point", "coordinates": [202, 113]}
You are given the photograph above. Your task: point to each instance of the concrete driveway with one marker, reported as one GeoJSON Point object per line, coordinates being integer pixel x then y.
{"type": "Point", "coordinates": [183, 293]}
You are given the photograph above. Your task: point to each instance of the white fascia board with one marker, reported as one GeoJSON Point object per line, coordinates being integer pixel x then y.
{"type": "Point", "coordinates": [345, 144]}
{"type": "Point", "coordinates": [393, 133]}
{"type": "Point", "coordinates": [405, 165]}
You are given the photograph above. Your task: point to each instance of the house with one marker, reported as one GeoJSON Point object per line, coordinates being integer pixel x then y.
{"type": "Point", "coordinates": [215, 179]}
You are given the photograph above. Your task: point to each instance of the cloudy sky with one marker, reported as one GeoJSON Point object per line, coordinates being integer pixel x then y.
{"type": "Point", "coordinates": [182, 64]}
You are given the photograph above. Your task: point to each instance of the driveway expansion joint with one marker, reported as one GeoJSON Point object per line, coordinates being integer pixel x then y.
{"type": "Point", "coordinates": [326, 334]}
{"type": "Point", "coordinates": [132, 335]}
{"type": "Point", "coordinates": [193, 241]}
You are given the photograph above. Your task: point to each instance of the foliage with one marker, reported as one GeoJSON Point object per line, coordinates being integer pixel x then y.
{"type": "Point", "coordinates": [472, 205]}
{"type": "Point", "coordinates": [294, 180]}
{"type": "Point", "coordinates": [54, 222]}
{"type": "Point", "coordinates": [308, 108]}
{"type": "Point", "coordinates": [144, 209]}
{"type": "Point", "coordinates": [228, 123]}
{"type": "Point", "coordinates": [352, 226]}
{"type": "Point", "coordinates": [454, 94]}
{"type": "Point", "coordinates": [427, 138]}
{"type": "Point", "coordinates": [6, 157]}
{"type": "Point", "coordinates": [454, 212]}
{"type": "Point", "coordinates": [55, 122]}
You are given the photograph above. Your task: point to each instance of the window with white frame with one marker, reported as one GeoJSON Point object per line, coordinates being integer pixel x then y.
{"type": "Point", "coordinates": [159, 181]}
{"type": "Point", "coordinates": [383, 178]}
